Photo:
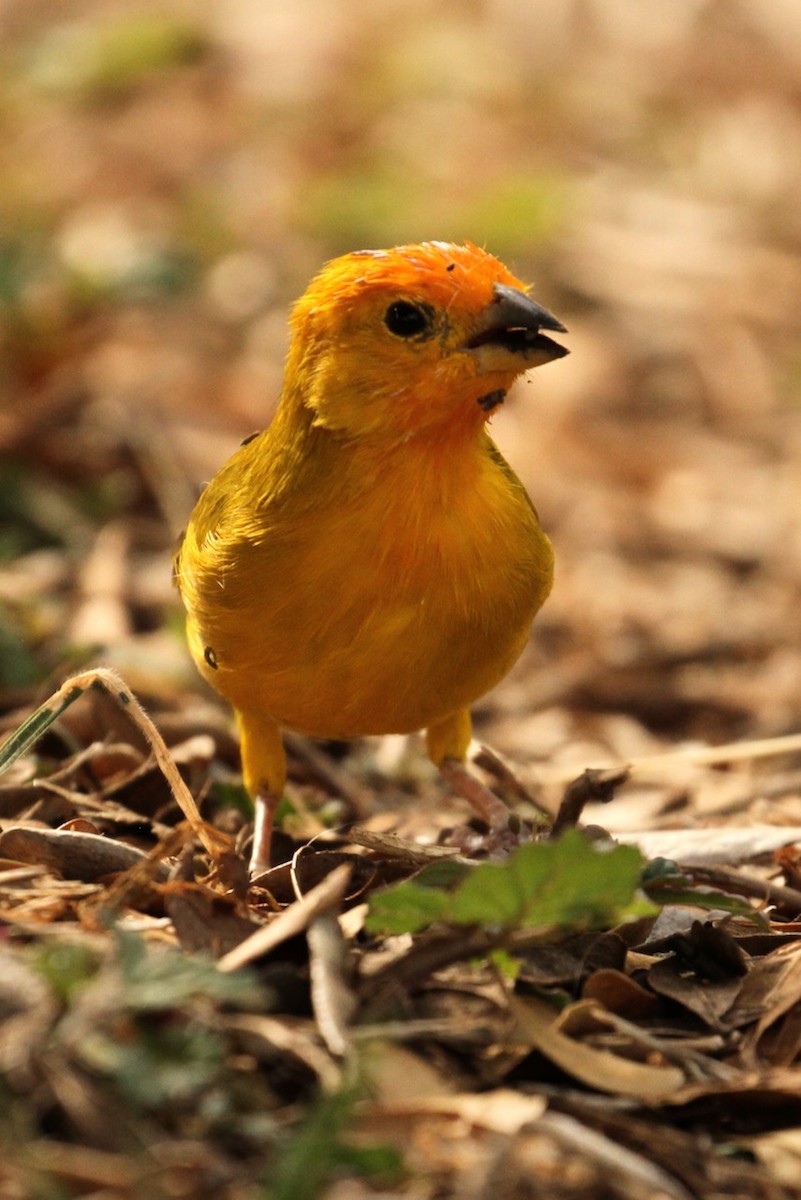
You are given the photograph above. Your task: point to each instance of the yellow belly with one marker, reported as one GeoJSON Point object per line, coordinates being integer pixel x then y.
{"type": "Point", "coordinates": [348, 625]}
{"type": "Point", "coordinates": [394, 672]}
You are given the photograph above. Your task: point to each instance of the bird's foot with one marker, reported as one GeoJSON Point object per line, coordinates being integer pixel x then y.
{"type": "Point", "coordinates": [505, 829]}
{"type": "Point", "coordinates": [489, 807]}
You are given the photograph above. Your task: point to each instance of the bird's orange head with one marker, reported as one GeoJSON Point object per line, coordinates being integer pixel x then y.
{"type": "Point", "coordinates": [418, 339]}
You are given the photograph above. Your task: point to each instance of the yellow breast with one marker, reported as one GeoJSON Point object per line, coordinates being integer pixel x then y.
{"type": "Point", "coordinates": [399, 597]}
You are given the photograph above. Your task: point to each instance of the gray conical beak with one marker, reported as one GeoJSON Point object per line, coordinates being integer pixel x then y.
{"type": "Point", "coordinates": [513, 322]}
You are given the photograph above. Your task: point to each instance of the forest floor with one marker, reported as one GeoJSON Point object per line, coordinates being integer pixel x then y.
{"type": "Point", "coordinates": [385, 1014]}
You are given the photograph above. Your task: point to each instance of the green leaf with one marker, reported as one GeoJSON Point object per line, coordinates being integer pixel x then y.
{"type": "Point", "coordinates": [505, 964]}
{"type": "Point", "coordinates": [664, 882]}
{"type": "Point", "coordinates": [67, 966]}
{"type": "Point", "coordinates": [164, 978]}
{"type": "Point", "coordinates": [570, 882]}
{"type": "Point", "coordinates": [443, 873]}
{"type": "Point", "coordinates": [709, 899]}
{"type": "Point", "coordinates": [318, 1151]}
{"type": "Point", "coordinates": [567, 882]}
{"type": "Point", "coordinates": [406, 908]}
{"type": "Point", "coordinates": [160, 1066]}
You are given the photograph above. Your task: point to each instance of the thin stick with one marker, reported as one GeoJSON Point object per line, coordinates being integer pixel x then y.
{"type": "Point", "coordinates": [291, 921]}
{"type": "Point", "coordinates": [108, 681]}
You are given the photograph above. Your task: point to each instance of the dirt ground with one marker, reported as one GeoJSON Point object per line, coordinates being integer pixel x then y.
{"type": "Point", "coordinates": [171, 176]}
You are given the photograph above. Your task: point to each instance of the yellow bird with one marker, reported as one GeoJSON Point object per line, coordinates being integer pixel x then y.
{"type": "Point", "coordinates": [370, 564]}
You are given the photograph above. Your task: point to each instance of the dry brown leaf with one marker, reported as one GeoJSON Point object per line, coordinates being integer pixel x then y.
{"type": "Point", "coordinates": [86, 856]}
{"type": "Point", "coordinates": [538, 1027]}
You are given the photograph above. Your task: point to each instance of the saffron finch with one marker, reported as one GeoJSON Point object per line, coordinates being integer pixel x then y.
{"type": "Point", "coordinates": [369, 563]}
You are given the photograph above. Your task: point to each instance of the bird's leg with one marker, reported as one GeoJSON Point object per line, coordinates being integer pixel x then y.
{"type": "Point", "coordinates": [489, 807]}
{"type": "Point", "coordinates": [447, 743]}
{"type": "Point", "coordinates": [264, 774]}
{"type": "Point", "coordinates": [263, 809]}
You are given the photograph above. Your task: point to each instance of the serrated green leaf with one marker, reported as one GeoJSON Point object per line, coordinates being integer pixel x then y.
{"type": "Point", "coordinates": [406, 908]}
{"type": "Point", "coordinates": [565, 883]}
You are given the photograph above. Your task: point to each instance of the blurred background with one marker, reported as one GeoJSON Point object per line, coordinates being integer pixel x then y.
{"type": "Point", "coordinates": [172, 174]}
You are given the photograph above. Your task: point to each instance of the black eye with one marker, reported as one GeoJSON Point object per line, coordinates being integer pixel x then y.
{"type": "Point", "coordinates": [408, 320]}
